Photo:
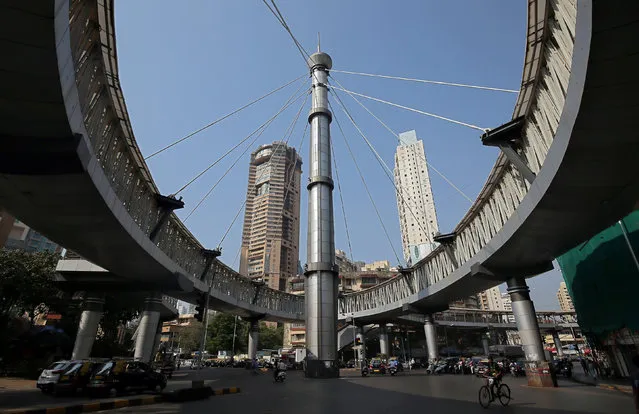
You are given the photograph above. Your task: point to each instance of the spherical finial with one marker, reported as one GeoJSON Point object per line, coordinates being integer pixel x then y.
{"type": "Point", "coordinates": [320, 59]}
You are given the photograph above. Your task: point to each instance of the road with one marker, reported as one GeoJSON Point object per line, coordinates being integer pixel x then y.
{"type": "Point", "coordinates": [414, 392]}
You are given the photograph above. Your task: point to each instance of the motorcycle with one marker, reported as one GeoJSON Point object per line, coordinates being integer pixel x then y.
{"type": "Point", "coordinates": [365, 371]}
{"type": "Point", "coordinates": [280, 377]}
{"type": "Point", "coordinates": [392, 370]}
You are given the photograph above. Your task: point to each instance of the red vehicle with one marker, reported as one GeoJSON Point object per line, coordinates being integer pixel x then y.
{"type": "Point", "coordinates": [377, 366]}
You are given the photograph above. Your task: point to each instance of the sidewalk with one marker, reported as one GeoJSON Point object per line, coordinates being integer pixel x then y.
{"type": "Point", "coordinates": [13, 384]}
{"type": "Point", "coordinates": [607, 383]}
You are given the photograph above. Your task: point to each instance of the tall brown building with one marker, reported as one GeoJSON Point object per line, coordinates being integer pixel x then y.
{"type": "Point", "coordinates": [270, 238]}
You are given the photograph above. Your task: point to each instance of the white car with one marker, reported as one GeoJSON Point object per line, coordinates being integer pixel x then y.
{"type": "Point", "coordinates": [50, 376]}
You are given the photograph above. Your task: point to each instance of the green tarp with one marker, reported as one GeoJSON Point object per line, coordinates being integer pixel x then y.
{"type": "Point", "coordinates": [603, 280]}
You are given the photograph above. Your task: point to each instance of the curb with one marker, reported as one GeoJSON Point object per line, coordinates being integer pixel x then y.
{"type": "Point", "coordinates": [90, 407]}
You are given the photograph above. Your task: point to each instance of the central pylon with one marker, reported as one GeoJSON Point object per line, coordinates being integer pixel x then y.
{"type": "Point", "coordinates": [321, 273]}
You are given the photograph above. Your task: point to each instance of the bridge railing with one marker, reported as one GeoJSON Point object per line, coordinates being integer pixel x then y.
{"type": "Point", "coordinates": [544, 84]}
{"type": "Point", "coordinates": [110, 134]}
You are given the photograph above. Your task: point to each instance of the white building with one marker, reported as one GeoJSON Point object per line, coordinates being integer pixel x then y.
{"type": "Point", "coordinates": [491, 299]}
{"type": "Point", "coordinates": [417, 216]}
{"type": "Point", "coordinates": [508, 306]}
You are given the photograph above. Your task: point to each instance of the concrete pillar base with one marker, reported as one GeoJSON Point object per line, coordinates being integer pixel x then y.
{"type": "Point", "coordinates": [88, 328]}
{"type": "Point", "coordinates": [253, 338]}
{"type": "Point", "coordinates": [383, 340]}
{"type": "Point", "coordinates": [431, 337]}
{"type": "Point", "coordinates": [147, 329]}
{"type": "Point", "coordinates": [315, 368]}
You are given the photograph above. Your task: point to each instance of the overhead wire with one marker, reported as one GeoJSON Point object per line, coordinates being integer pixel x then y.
{"type": "Point", "coordinates": [280, 18]}
{"type": "Point", "coordinates": [361, 176]}
{"type": "Point", "coordinates": [381, 162]}
{"type": "Point", "coordinates": [223, 118]}
{"type": "Point", "coordinates": [462, 85]}
{"type": "Point", "coordinates": [422, 156]}
{"type": "Point", "coordinates": [414, 110]}
{"type": "Point", "coordinates": [250, 145]}
{"type": "Point", "coordinates": [288, 133]}
{"type": "Point", "coordinates": [286, 105]}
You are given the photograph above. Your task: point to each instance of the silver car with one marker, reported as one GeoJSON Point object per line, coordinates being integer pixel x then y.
{"type": "Point", "coordinates": [50, 376]}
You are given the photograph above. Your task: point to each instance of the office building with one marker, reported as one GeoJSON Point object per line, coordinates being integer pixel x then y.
{"type": "Point", "coordinates": [490, 299]}
{"type": "Point", "coordinates": [15, 234]}
{"type": "Point", "coordinates": [415, 204]}
{"type": "Point", "coordinates": [270, 237]}
{"type": "Point", "coordinates": [377, 265]}
{"type": "Point", "coordinates": [565, 301]}
{"type": "Point", "coordinates": [508, 307]}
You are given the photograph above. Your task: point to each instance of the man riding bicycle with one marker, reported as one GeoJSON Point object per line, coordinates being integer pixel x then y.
{"type": "Point", "coordinates": [495, 373]}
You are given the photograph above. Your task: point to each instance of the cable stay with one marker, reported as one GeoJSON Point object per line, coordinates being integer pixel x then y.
{"type": "Point", "coordinates": [287, 134]}
{"type": "Point", "coordinates": [422, 156]}
{"type": "Point", "coordinates": [382, 163]}
{"type": "Point", "coordinates": [341, 201]}
{"type": "Point", "coordinates": [290, 101]}
{"type": "Point", "coordinates": [290, 180]}
{"type": "Point", "coordinates": [249, 146]}
{"type": "Point", "coordinates": [280, 18]}
{"type": "Point", "coordinates": [361, 176]}
{"type": "Point", "coordinates": [223, 118]}
{"type": "Point", "coordinates": [461, 85]}
{"type": "Point", "coordinates": [413, 109]}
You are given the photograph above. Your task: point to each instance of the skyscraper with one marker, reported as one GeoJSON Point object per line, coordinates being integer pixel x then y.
{"type": "Point", "coordinates": [565, 301]}
{"type": "Point", "coordinates": [270, 237]}
{"type": "Point", "coordinates": [417, 216]}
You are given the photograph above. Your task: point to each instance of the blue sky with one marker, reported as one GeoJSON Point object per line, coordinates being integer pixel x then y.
{"type": "Point", "coordinates": [182, 67]}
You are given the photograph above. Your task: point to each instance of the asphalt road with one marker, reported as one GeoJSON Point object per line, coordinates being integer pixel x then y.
{"type": "Point", "coordinates": [414, 392]}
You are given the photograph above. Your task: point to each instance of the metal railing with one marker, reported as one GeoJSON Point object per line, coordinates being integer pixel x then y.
{"type": "Point", "coordinates": [543, 89]}
{"type": "Point", "coordinates": [107, 122]}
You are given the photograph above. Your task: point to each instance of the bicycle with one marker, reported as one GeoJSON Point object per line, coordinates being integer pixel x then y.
{"type": "Point", "coordinates": [486, 396]}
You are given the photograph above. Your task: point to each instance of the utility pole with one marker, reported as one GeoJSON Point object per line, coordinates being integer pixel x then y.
{"type": "Point", "coordinates": [321, 272]}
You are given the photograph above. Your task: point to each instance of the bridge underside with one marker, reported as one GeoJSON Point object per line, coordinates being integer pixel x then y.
{"type": "Point", "coordinates": [590, 178]}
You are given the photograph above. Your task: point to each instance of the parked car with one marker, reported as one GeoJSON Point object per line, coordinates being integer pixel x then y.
{"type": "Point", "coordinates": [50, 376]}
{"type": "Point", "coordinates": [119, 376]}
{"type": "Point", "coordinates": [76, 377]}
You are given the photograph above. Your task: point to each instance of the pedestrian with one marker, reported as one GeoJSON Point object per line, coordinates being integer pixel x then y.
{"type": "Point", "coordinates": [635, 382]}
{"type": "Point", "coordinates": [584, 366]}
{"type": "Point", "coordinates": [592, 368]}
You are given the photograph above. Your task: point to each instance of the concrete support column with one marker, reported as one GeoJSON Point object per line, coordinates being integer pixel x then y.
{"type": "Point", "coordinates": [361, 350]}
{"type": "Point", "coordinates": [383, 340]}
{"type": "Point", "coordinates": [557, 341]}
{"type": "Point", "coordinates": [157, 340]}
{"type": "Point", "coordinates": [88, 329]}
{"type": "Point", "coordinates": [526, 319]}
{"type": "Point", "coordinates": [147, 329]}
{"type": "Point", "coordinates": [431, 337]}
{"type": "Point", "coordinates": [485, 344]}
{"type": "Point", "coordinates": [253, 338]}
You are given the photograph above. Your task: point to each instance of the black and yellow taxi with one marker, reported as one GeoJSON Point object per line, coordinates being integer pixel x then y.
{"type": "Point", "coordinates": [76, 377]}
{"type": "Point", "coordinates": [119, 376]}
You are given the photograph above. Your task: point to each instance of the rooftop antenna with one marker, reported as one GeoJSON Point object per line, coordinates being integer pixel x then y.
{"type": "Point", "coordinates": [318, 42]}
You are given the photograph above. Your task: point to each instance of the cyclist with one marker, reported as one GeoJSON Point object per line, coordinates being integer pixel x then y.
{"type": "Point", "coordinates": [495, 373]}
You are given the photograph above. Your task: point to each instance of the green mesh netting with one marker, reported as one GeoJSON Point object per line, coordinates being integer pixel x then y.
{"type": "Point", "coordinates": [603, 280]}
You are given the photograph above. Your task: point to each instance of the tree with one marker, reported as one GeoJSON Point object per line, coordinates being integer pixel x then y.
{"type": "Point", "coordinates": [26, 283]}
{"type": "Point", "coordinates": [220, 334]}
{"type": "Point", "coordinates": [190, 337]}
{"type": "Point", "coordinates": [270, 337]}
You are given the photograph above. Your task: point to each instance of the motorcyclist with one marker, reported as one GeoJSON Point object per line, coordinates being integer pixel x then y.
{"type": "Point", "coordinates": [279, 366]}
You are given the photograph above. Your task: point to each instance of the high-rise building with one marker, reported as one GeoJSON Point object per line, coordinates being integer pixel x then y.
{"type": "Point", "coordinates": [565, 301]}
{"type": "Point", "coordinates": [490, 299]}
{"type": "Point", "coordinates": [17, 235]}
{"type": "Point", "coordinates": [417, 216]}
{"type": "Point", "coordinates": [270, 238]}
{"type": "Point", "coordinates": [508, 307]}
